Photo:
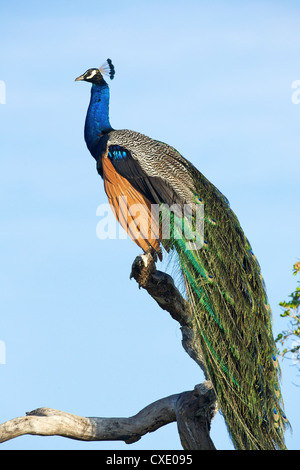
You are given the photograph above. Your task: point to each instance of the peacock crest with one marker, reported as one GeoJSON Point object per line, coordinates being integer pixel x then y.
{"type": "Point", "coordinates": [108, 69]}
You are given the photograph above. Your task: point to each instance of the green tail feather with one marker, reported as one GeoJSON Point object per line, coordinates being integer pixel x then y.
{"type": "Point", "coordinates": [230, 311]}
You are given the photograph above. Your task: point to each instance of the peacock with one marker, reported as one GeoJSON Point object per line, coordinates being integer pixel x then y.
{"type": "Point", "coordinates": [222, 277]}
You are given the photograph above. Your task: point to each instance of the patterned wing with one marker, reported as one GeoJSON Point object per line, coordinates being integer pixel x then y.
{"type": "Point", "coordinates": [155, 168]}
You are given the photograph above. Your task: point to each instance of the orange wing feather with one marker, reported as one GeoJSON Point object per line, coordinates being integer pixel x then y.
{"type": "Point", "coordinates": [132, 209]}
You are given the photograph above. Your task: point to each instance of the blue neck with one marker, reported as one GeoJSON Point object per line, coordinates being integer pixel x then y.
{"type": "Point", "coordinates": [97, 118]}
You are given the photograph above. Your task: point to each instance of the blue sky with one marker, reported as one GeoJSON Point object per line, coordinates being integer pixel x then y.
{"type": "Point", "coordinates": [213, 79]}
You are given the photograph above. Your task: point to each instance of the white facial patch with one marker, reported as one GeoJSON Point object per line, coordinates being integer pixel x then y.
{"type": "Point", "coordinates": [92, 74]}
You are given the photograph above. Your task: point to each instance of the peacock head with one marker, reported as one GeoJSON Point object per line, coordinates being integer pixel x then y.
{"type": "Point", "coordinates": [96, 75]}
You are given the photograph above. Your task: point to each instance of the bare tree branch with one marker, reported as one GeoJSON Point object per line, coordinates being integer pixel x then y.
{"type": "Point", "coordinates": [50, 422]}
{"type": "Point", "coordinates": [193, 410]}
{"type": "Point", "coordinates": [162, 289]}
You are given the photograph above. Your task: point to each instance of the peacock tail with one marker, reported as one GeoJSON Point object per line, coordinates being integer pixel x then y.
{"type": "Point", "coordinates": [230, 311]}
{"type": "Point", "coordinates": [228, 303]}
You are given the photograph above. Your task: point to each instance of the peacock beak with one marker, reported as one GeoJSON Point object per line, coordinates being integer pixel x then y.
{"type": "Point", "coordinates": [79, 78]}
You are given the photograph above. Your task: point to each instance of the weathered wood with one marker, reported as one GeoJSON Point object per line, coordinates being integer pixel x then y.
{"type": "Point", "coordinates": [50, 422]}
{"type": "Point", "coordinates": [162, 289]}
{"type": "Point", "coordinates": [193, 410]}
{"type": "Point", "coordinates": [194, 414]}
{"type": "Point", "coordinates": [193, 417]}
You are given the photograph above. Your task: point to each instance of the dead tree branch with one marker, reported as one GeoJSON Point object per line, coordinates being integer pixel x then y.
{"type": "Point", "coordinates": [162, 289]}
{"type": "Point", "coordinates": [192, 410]}
{"type": "Point", "coordinates": [49, 422]}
